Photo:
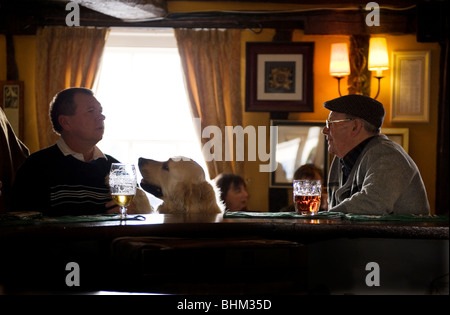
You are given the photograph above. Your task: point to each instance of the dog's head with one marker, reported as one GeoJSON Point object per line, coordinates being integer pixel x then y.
{"type": "Point", "coordinates": [161, 178]}
{"type": "Point", "coordinates": [180, 183]}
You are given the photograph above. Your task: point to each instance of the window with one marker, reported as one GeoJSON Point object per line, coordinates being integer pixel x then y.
{"type": "Point", "coordinates": [140, 86]}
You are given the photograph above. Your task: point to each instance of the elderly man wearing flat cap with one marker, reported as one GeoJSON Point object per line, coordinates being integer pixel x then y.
{"type": "Point", "coordinates": [370, 174]}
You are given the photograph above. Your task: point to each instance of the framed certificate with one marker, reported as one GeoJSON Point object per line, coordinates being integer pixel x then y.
{"type": "Point", "coordinates": [410, 86]}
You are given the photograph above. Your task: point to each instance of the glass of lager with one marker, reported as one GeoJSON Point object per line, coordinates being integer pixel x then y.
{"type": "Point", "coordinates": [122, 184]}
{"type": "Point", "coordinates": [307, 193]}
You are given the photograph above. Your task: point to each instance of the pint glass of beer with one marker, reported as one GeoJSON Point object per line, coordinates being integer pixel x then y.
{"type": "Point", "coordinates": [307, 193]}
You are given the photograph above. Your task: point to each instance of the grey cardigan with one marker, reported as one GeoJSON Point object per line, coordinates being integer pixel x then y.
{"type": "Point", "coordinates": [384, 180]}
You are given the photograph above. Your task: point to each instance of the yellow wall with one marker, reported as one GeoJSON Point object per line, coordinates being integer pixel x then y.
{"type": "Point", "coordinates": [25, 49]}
{"type": "Point", "coordinates": [2, 57]}
{"type": "Point", "coordinates": [423, 136]}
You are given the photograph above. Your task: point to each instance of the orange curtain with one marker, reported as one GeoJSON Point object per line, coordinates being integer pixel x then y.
{"type": "Point", "coordinates": [66, 57]}
{"type": "Point", "coordinates": [211, 64]}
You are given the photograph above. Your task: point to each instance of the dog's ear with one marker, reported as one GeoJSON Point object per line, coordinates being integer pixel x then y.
{"type": "Point", "coordinates": [202, 198]}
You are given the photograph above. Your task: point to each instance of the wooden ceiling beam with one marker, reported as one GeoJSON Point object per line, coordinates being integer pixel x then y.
{"type": "Point", "coordinates": [25, 19]}
{"type": "Point", "coordinates": [354, 23]}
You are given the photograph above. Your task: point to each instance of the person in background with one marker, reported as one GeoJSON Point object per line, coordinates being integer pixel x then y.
{"type": "Point", "coordinates": [233, 191]}
{"type": "Point", "coordinates": [370, 174]}
{"type": "Point", "coordinates": [308, 171]}
{"type": "Point", "coordinates": [12, 154]}
{"type": "Point", "coordinates": [69, 177]}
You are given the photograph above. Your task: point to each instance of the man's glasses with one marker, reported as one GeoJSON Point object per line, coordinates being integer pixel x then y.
{"type": "Point", "coordinates": [328, 123]}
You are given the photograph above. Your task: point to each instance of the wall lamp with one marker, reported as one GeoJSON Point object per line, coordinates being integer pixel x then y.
{"type": "Point", "coordinates": [339, 63]}
{"type": "Point", "coordinates": [378, 60]}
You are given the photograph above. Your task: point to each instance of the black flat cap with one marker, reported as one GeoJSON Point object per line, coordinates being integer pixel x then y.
{"type": "Point", "coordinates": [360, 106]}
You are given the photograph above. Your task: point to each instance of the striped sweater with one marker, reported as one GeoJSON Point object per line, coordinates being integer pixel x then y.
{"type": "Point", "coordinates": [55, 184]}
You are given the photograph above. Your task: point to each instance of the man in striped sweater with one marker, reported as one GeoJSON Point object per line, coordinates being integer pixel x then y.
{"type": "Point", "coordinates": [69, 177]}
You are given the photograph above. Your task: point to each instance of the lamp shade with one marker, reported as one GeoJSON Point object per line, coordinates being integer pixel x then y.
{"type": "Point", "coordinates": [378, 55]}
{"type": "Point", "coordinates": [339, 64]}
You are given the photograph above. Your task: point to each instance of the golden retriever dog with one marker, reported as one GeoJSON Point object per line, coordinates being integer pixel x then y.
{"type": "Point", "coordinates": [181, 184]}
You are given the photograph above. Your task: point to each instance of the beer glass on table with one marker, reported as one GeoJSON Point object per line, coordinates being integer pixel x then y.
{"type": "Point", "coordinates": [122, 184]}
{"type": "Point", "coordinates": [307, 195]}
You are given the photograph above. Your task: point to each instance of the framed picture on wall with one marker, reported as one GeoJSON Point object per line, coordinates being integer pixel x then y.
{"type": "Point", "coordinates": [410, 86]}
{"type": "Point", "coordinates": [11, 101]}
{"type": "Point", "coordinates": [398, 135]}
{"type": "Point", "coordinates": [279, 77]}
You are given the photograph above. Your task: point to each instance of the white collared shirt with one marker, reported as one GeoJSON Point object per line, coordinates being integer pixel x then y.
{"type": "Point", "coordinates": [62, 145]}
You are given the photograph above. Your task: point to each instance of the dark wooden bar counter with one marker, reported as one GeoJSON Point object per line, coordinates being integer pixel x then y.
{"type": "Point", "coordinates": [333, 254]}
{"type": "Point", "coordinates": [304, 230]}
